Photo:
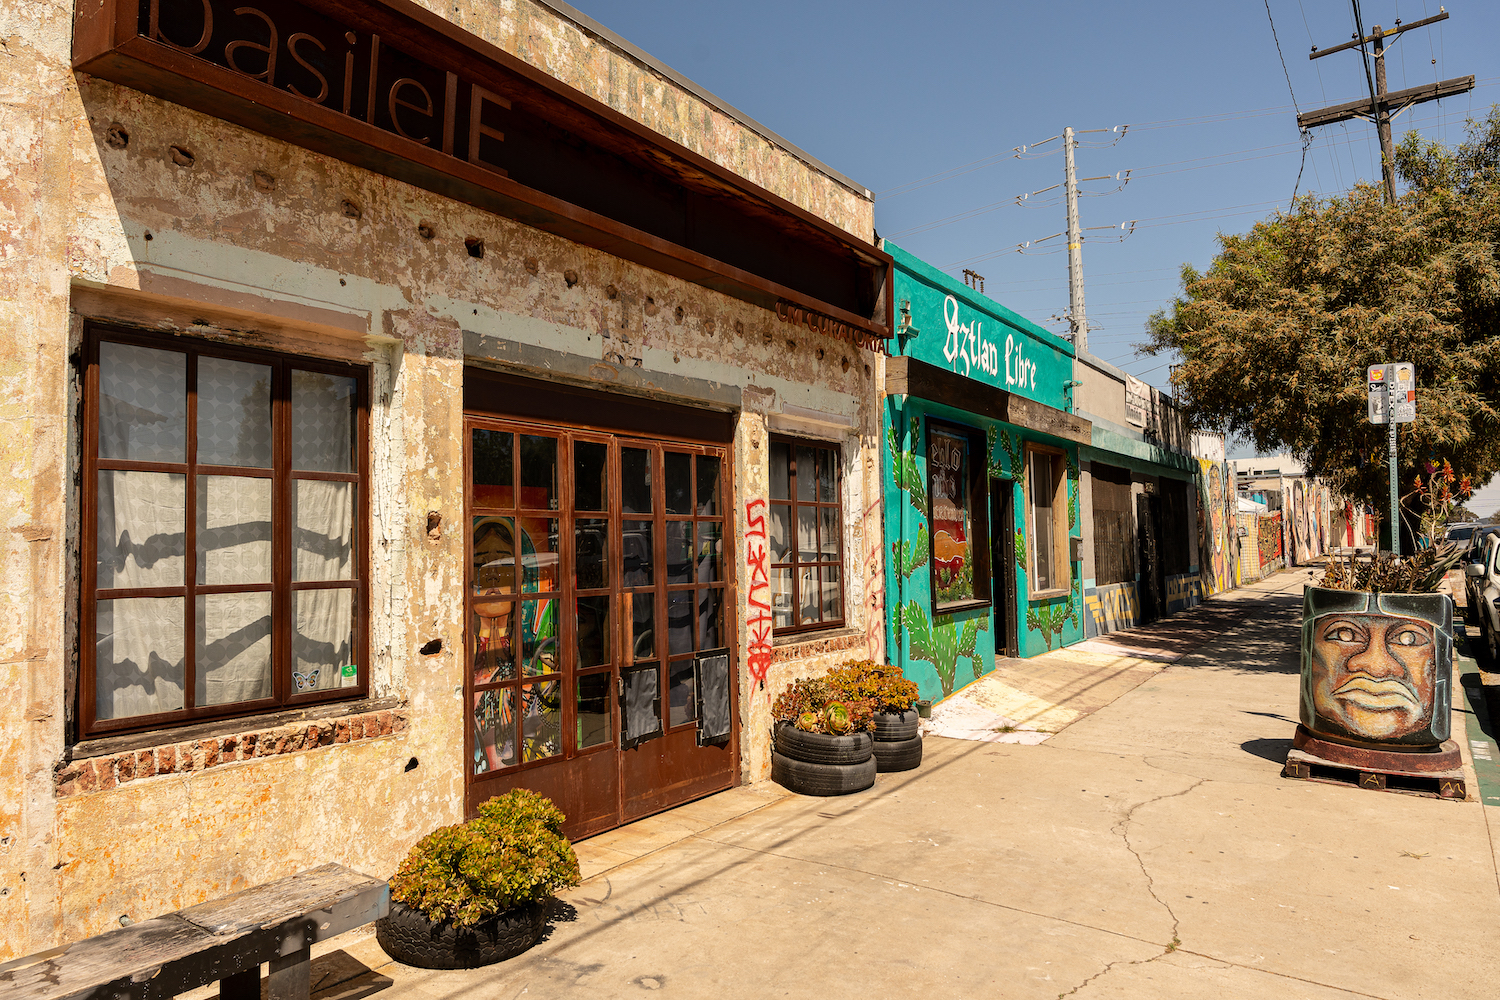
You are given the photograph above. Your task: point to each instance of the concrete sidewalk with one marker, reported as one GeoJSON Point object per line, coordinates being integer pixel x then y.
{"type": "Point", "coordinates": [1148, 849]}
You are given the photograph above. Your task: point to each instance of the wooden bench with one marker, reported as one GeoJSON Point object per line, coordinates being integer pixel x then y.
{"type": "Point", "coordinates": [224, 940]}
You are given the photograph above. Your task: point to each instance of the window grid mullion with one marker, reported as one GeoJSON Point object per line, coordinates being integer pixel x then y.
{"type": "Point", "coordinates": [190, 542]}
{"type": "Point", "coordinates": [282, 533]}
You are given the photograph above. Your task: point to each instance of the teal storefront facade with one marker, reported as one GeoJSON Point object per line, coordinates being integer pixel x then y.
{"type": "Point", "coordinates": [983, 518]}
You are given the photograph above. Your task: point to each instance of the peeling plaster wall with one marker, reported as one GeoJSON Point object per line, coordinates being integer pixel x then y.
{"type": "Point", "coordinates": [565, 51]}
{"type": "Point", "coordinates": [258, 242]}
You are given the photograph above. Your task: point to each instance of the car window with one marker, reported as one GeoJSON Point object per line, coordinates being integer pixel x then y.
{"type": "Point", "coordinates": [1462, 534]}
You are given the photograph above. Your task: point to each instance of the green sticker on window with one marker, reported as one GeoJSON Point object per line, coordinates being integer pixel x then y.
{"type": "Point", "coordinates": [349, 675]}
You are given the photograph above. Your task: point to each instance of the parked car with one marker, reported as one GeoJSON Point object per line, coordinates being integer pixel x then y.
{"type": "Point", "coordinates": [1462, 532]}
{"type": "Point", "coordinates": [1475, 553]}
{"type": "Point", "coordinates": [1482, 584]}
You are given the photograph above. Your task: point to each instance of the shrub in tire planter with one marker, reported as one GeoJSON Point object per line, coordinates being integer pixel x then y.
{"type": "Point", "coordinates": [475, 893]}
{"type": "Point", "coordinates": [829, 730]}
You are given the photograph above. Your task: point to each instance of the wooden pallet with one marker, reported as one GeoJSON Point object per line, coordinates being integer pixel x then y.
{"type": "Point", "coordinates": [1432, 784]}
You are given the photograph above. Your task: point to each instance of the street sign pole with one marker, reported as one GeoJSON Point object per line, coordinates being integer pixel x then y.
{"type": "Point", "coordinates": [1395, 501]}
{"type": "Point", "coordinates": [1392, 400]}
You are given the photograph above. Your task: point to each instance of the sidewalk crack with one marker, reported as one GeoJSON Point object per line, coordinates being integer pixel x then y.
{"type": "Point", "coordinates": [1123, 829]}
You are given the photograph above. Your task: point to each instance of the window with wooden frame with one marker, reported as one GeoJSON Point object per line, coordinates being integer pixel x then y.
{"type": "Point", "coordinates": [1047, 521]}
{"type": "Point", "coordinates": [806, 535]}
{"type": "Point", "coordinates": [224, 550]}
{"type": "Point", "coordinates": [958, 535]}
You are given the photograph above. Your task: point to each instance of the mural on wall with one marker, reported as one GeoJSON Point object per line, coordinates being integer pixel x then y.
{"type": "Point", "coordinates": [1299, 524]}
{"type": "Point", "coordinates": [932, 540]}
{"type": "Point", "coordinates": [1049, 619]}
{"type": "Point", "coordinates": [939, 640]}
{"type": "Point", "coordinates": [942, 642]}
{"type": "Point", "coordinates": [1375, 667]}
{"type": "Point", "coordinates": [1212, 500]}
{"type": "Point", "coordinates": [1269, 539]}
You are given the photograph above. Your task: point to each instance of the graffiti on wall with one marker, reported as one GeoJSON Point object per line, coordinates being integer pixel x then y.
{"type": "Point", "coordinates": [874, 584]}
{"type": "Point", "coordinates": [1112, 607]}
{"type": "Point", "coordinates": [1183, 592]}
{"type": "Point", "coordinates": [759, 619]}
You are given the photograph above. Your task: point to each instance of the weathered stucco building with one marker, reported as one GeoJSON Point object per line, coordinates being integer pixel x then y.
{"type": "Point", "coordinates": [401, 404]}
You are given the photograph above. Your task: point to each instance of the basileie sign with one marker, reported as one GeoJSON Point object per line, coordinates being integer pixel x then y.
{"type": "Point", "coordinates": [355, 73]}
{"type": "Point", "coordinates": [391, 87]}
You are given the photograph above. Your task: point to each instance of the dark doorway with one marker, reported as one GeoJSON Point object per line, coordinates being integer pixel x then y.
{"type": "Point", "coordinates": [1148, 544]}
{"type": "Point", "coordinates": [1003, 564]}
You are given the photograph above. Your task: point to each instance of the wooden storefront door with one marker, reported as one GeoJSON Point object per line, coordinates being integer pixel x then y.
{"type": "Point", "coordinates": [599, 612]}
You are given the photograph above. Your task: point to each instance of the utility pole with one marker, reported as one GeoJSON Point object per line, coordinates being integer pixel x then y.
{"type": "Point", "coordinates": [1076, 317]}
{"type": "Point", "coordinates": [1382, 106]}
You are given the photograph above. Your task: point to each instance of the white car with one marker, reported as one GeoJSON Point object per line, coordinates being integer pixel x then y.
{"type": "Point", "coordinates": [1482, 579]}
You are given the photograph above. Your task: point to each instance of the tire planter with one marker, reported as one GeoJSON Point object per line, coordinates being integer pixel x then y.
{"type": "Point", "coordinates": [898, 755]}
{"type": "Point", "coordinates": [411, 939]}
{"type": "Point", "coordinates": [807, 778]}
{"type": "Point", "coordinates": [819, 764]}
{"type": "Point", "coordinates": [820, 748]}
{"type": "Point", "coordinates": [890, 726]}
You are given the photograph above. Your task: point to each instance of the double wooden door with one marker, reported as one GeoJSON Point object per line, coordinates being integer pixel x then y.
{"type": "Point", "coordinates": [598, 620]}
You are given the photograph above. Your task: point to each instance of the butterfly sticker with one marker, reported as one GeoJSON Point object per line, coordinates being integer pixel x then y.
{"type": "Point", "coordinates": [307, 681]}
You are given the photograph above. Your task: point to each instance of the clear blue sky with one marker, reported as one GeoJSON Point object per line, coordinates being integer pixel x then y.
{"type": "Point", "coordinates": [923, 104]}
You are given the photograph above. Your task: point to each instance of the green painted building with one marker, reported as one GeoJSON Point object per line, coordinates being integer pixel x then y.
{"type": "Point", "coordinates": [981, 469]}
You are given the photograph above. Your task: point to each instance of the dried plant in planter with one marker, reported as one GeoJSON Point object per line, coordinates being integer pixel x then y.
{"type": "Point", "coordinates": [1385, 574]}
{"type": "Point", "coordinates": [1422, 572]}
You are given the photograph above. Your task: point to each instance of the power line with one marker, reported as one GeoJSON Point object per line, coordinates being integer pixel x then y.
{"type": "Point", "coordinates": [1306, 139]}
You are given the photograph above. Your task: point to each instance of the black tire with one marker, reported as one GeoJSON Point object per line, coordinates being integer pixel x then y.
{"type": "Point", "coordinates": [898, 755]}
{"type": "Point", "coordinates": [820, 748]}
{"type": "Point", "coordinates": [821, 779]}
{"type": "Point", "coordinates": [412, 939]}
{"type": "Point", "coordinates": [892, 726]}
{"type": "Point", "coordinates": [1491, 645]}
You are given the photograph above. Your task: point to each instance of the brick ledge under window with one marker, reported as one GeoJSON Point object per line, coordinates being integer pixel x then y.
{"type": "Point", "coordinates": [800, 644]}
{"type": "Point", "coordinates": [103, 768]}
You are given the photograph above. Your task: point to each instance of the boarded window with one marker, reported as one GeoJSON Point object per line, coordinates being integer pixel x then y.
{"type": "Point", "coordinates": [1114, 547]}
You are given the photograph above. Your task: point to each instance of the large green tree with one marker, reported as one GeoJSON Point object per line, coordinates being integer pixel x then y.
{"type": "Point", "coordinates": [1276, 334]}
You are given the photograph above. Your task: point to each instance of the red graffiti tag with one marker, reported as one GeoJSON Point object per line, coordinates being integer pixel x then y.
{"type": "Point", "coordinates": [759, 621]}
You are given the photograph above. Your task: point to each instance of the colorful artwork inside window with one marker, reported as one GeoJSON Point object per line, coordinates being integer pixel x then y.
{"type": "Point", "coordinates": [952, 532]}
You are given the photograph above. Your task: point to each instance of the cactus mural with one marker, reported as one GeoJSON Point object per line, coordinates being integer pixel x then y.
{"type": "Point", "coordinates": [1050, 619]}
{"type": "Point", "coordinates": [1013, 451]}
{"type": "Point", "coordinates": [911, 557]}
{"type": "Point", "coordinates": [1072, 493]}
{"type": "Point", "coordinates": [941, 644]}
{"type": "Point", "coordinates": [904, 467]}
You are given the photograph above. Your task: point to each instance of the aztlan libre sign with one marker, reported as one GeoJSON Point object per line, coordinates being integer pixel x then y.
{"type": "Point", "coordinates": [391, 87]}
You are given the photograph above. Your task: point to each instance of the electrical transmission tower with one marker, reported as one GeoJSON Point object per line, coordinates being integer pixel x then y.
{"type": "Point", "coordinates": [1382, 106]}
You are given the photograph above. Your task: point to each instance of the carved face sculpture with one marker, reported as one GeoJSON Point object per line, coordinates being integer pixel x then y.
{"type": "Point", "coordinates": [1375, 673]}
{"type": "Point", "coordinates": [1375, 667]}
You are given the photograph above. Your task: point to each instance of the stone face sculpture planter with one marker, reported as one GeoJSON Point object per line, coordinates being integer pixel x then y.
{"type": "Point", "coordinates": [1376, 692]}
{"type": "Point", "coordinates": [1376, 668]}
